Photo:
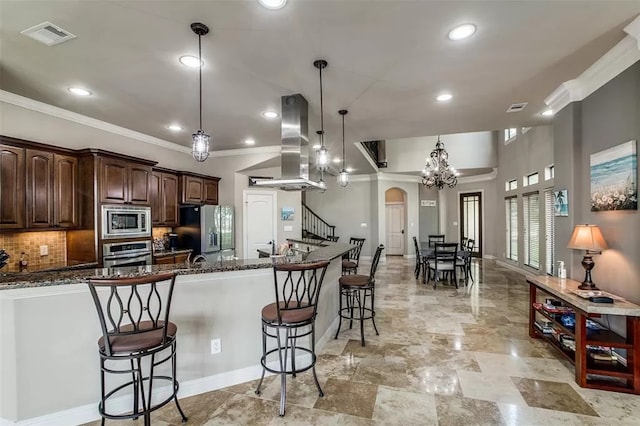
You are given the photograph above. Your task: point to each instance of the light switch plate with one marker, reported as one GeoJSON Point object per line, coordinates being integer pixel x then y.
{"type": "Point", "coordinates": [44, 250]}
{"type": "Point", "coordinates": [288, 228]}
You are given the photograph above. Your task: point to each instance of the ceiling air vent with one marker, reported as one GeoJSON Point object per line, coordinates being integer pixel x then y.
{"type": "Point", "coordinates": [48, 33]}
{"type": "Point", "coordinates": [517, 107]}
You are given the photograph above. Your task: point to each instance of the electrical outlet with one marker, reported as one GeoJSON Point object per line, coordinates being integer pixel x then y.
{"type": "Point", "coordinates": [216, 346]}
{"type": "Point", "coordinates": [44, 250]}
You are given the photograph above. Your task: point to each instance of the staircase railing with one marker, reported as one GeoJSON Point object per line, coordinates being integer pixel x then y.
{"type": "Point", "coordinates": [313, 226]}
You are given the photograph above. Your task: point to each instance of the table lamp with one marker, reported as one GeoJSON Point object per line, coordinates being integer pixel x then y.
{"type": "Point", "coordinates": [587, 237]}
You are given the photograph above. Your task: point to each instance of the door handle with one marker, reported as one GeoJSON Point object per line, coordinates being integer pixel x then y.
{"type": "Point", "coordinates": [403, 231]}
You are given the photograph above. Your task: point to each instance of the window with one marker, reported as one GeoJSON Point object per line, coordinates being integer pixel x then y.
{"type": "Point", "coordinates": [511, 185]}
{"type": "Point", "coordinates": [511, 204]}
{"type": "Point", "coordinates": [531, 179]}
{"type": "Point", "coordinates": [510, 134]}
{"type": "Point", "coordinates": [531, 229]}
{"type": "Point", "coordinates": [524, 130]}
{"type": "Point", "coordinates": [549, 172]}
{"type": "Point", "coordinates": [549, 232]}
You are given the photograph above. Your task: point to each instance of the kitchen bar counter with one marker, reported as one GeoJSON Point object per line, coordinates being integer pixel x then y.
{"type": "Point", "coordinates": [14, 280]}
{"type": "Point", "coordinates": [220, 300]}
{"type": "Point", "coordinates": [166, 253]}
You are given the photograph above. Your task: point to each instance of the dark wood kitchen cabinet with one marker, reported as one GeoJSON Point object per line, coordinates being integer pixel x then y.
{"type": "Point", "coordinates": [198, 189]}
{"type": "Point", "coordinates": [65, 187]}
{"type": "Point", "coordinates": [12, 187]}
{"type": "Point", "coordinates": [52, 181]}
{"type": "Point", "coordinates": [39, 188]}
{"type": "Point", "coordinates": [124, 182]}
{"type": "Point", "coordinates": [164, 198]}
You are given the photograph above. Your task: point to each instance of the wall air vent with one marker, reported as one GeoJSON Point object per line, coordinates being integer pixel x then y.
{"type": "Point", "coordinates": [48, 33]}
{"type": "Point", "coordinates": [517, 107]}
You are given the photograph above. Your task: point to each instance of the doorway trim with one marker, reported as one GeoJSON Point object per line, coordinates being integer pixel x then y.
{"type": "Point", "coordinates": [482, 216]}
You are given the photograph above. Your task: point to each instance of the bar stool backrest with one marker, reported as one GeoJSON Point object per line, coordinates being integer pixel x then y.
{"type": "Point", "coordinates": [374, 263]}
{"type": "Point", "coordinates": [354, 253]}
{"type": "Point", "coordinates": [132, 305]}
{"type": "Point", "coordinates": [300, 288]}
{"type": "Point", "coordinates": [433, 239]}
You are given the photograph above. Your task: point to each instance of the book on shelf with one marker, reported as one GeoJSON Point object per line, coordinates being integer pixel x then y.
{"type": "Point", "coordinates": [601, 354]}
{"type": "Point", "coordinates": [544, 326]}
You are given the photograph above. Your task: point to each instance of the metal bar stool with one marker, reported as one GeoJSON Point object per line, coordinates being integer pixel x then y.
{"type": "Point", "coordinates": [290, 318]}
{"type": "Point", "coordinates": [137, 337]}
{"type": "Point", "coordinates": [350, 264]}
{"type": "Point", "coordinates": [355, 289]}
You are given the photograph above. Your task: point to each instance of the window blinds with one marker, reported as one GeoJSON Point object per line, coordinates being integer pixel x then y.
{"type": "Point", "coordinates": [511, 250]}
{"type": "Point", "coordinates": [531, 229]}
{"type": "Point", "coordinates": [549, 232]}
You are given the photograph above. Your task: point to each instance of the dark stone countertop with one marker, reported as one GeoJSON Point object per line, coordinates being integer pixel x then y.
{"type": "Point", "coordinates": [13, 280]}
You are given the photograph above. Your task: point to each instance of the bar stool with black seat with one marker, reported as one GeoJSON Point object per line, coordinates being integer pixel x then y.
{"type": "Point", "coordinates": [350, 264]}
{"type": "Point", "coordinates": [290, 318]}
{"type": "Point", "coordinates": [137, 338]}
{"type": "Point", "coordinates": [355, 289]}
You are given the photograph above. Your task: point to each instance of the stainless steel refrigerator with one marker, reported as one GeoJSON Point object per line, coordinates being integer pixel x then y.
{"type": "Point", "coordinates": [207, 230]}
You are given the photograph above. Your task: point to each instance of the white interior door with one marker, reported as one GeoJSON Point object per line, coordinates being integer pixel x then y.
{"type": "Point", "coordinates": [395, 229]}
{"type": "Point", "coordinates": [259, 221]}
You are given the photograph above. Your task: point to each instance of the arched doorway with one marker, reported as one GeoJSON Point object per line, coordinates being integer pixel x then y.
{"type": "Point", "coordinates": [395, 200]}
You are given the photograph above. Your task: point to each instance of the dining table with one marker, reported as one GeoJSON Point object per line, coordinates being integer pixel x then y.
{"type": "Point", "coordinates": [427, 252]}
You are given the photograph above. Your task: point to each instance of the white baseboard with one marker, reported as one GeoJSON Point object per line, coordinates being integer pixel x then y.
{"type": "Point", "coordinates": [489, 257]}
{"type": "Point", "coordinates": [88, 413]}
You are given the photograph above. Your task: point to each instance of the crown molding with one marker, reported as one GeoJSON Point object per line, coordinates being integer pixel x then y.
{"type": "Point", "coordinates": [360, 178]}
{"type": "Point", "coordinates": [33, 105]}
{"type": "Point", "coordinates": [633, 29]}
{"type": "Point", "coordinates": [615, 61]}
{"type": "Point", "coordinates": [271, 149]}
{"type": "Point", "coordinates": [392, 177]}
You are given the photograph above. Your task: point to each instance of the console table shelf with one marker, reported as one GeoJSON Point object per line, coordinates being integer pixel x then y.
{"type": "Point", "coordinates": [589, 373]}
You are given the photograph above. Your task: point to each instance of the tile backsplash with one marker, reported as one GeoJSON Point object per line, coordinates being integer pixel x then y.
{"type": "Point", "coordinates": [15, 243]}
{"type": "Point", "coordinates": [158, 232]}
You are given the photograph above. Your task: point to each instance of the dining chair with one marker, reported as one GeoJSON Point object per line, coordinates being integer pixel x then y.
{"type": "Point", "coordinates": [464, 259]}
{"type": "Point", "coordinates": [419, 264]}
{"type": "Point", "coordinates": [433, 239]}
{"type": "Point", "coordinates": [445, 260]}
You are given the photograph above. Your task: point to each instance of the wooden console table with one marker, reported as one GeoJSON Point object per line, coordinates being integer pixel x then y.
{"type": "Point", "coordinates": [589, 373]}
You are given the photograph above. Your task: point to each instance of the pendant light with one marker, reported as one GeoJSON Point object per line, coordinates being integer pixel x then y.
{"type": "Point", "coordinates": [322, 154]}
{"type": "Point", "coordinates": [343, 176]}
{"type": "Point", "coordinates": [200, 140]}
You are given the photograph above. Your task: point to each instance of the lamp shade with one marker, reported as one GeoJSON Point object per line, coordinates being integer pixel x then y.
{"type": "Point", "coordinates": [587, 237]}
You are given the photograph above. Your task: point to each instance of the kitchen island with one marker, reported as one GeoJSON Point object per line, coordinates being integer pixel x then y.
{"type": "Point", "coordinates": [49, 331]}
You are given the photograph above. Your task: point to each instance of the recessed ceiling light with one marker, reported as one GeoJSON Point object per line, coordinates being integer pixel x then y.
{"type": "Point", "coordinates": [547, 113]}
{"type": "Point", "coordinates": [462, 31]}
{"type": "Point", "coordinates": [336, 160]}
{"type": "Point", "coordinates": [349, 170]}
{"type": "Point", "coordinates": [444, 97]}
{"type": "Point", "coordinates": [270, 114]}
{"type": "Point", "coordinates": [273, 4]}
{"type": "Point", "coordinates": [79, 91]}
{"type": "Point", "coordinates": [174, 127]}
{"type": "Point", "coordinates": [191, 61]}
{"type": "Point", "coordinates": [317, 146]}
{"type": "Point", "coordinates": [249, 141]}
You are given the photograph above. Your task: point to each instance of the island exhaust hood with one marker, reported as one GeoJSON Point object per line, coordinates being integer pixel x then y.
{"type": "Point", "coordinates": [294, 154]}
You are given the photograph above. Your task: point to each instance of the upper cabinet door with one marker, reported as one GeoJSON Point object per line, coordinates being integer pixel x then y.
{"type": "Point", "coordinates": [65, 184]}
{"type": "Point", "coordinates": [170, 199]}
{"type": "Point", "coordinates": [192, 190]}
{"type": "Point", "coordinates": [155, 197]}
{"type": "Point", "coordinates": [139, 184]}
{"type": "Point", "coordinates": [39, 189]}
{"type": "Point", "coordinates": [114, 181]}
{"type": "Point", "coordinates": [12, 187]}
{"type": "Point", "coordinates": [210, 191]}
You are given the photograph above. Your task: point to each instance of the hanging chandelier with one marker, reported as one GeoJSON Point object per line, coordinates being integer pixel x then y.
{"type": "Point", "coordinates": [322, 154]}
{"type": "Point", "coordinates": [437, 171]}
{"type": "Point", "coordinates": [200, 140]}
{"type": "Point", "coordinates": [343, 176]}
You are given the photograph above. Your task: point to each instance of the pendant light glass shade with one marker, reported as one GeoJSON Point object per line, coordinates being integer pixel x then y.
{"type": "Point", "coordinates": [322, 154]}
{"type": "Point", "coordinates": [343, 176]}
{"type": "Point", "coordinates": [200, 140]}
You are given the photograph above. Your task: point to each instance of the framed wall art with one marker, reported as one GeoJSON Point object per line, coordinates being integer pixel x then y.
{"type": "Point", "coordinates": [614, 178]}
{"type": "Point", "coordinates": [561, 203]}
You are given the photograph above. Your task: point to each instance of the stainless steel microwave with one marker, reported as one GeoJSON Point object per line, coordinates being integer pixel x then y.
{"type": "Point", "coordinates": [125, 221]}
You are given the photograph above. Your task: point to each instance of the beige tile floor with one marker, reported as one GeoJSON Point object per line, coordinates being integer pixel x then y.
{"type": "Point", "coordinates": [443, 357]}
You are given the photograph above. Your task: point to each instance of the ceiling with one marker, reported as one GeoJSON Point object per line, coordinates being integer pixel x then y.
{"type": "Point", "coordinates": [388, 60]}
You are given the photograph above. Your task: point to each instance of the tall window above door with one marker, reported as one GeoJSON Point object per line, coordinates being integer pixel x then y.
{"type": "Point", "coordinates": [510, 135]}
